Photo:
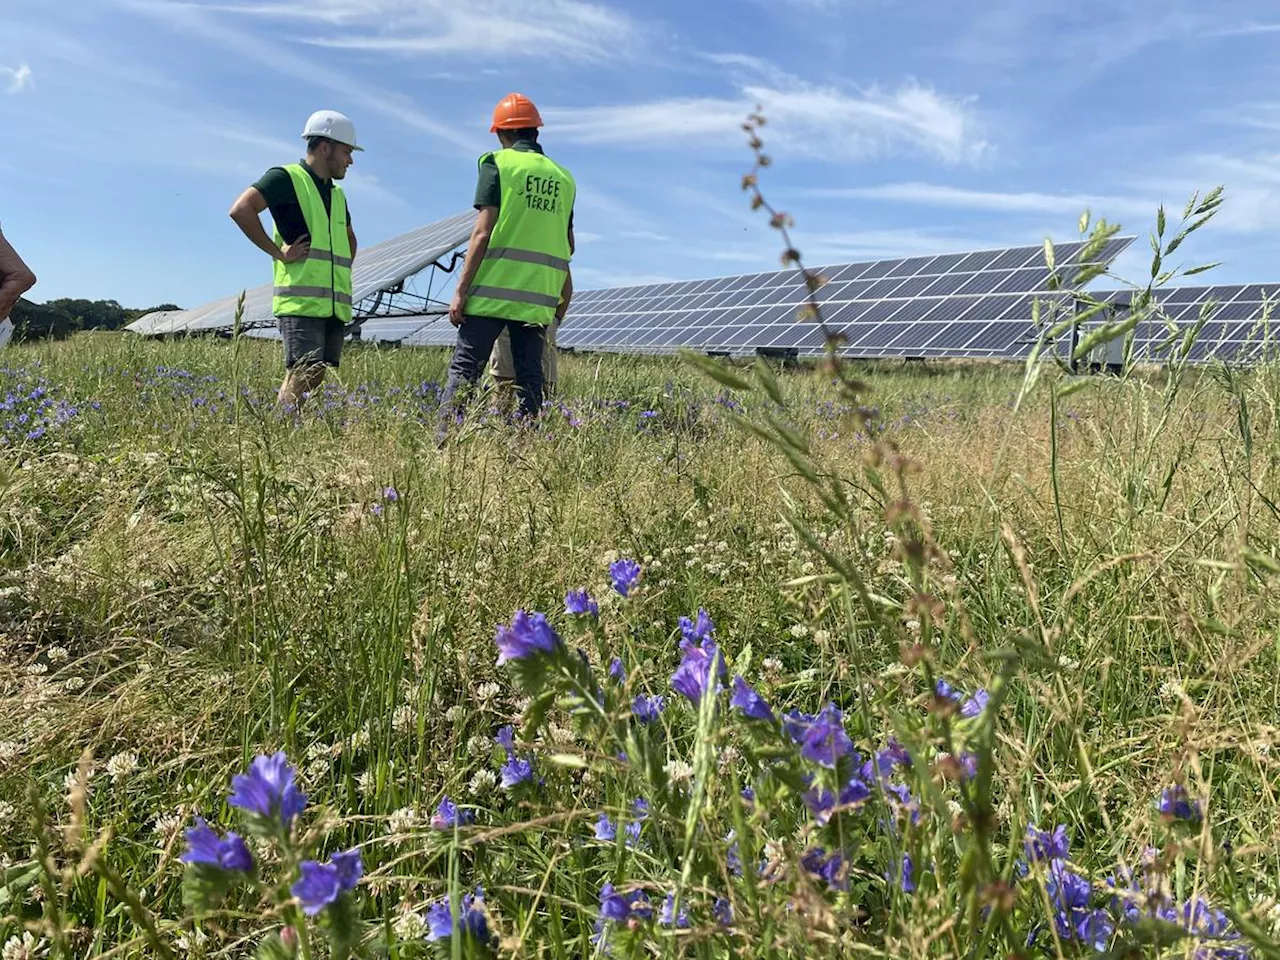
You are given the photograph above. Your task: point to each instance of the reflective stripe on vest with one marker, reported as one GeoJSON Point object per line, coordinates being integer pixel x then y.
{"type": "Point", "coordinates": [527, 261]}
{"type": "Point", "coordinates": [319, 285]}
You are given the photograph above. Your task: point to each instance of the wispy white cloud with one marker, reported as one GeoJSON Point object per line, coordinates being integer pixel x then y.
{"type": "Point", "coordinates": [992, 201]}
{"type": "Point", "coordinates": [272, 54]}
{"type": "Point", "coordinates": [802, 119]}
{"type": "Point", "coordinates": [20, 78]}
{"type": "Point", "coordinates": [576, 30]}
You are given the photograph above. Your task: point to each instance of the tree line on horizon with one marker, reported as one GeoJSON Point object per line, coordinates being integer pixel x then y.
{"type": "Point", "coordinates": [58, 319]}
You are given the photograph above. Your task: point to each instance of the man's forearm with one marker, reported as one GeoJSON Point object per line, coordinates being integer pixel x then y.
{"type": "Point", "coordinates": [252, 228]}
{"type": "Point", "coordinates": [476, 250]}
{"type": "Point", "coordinates": [566, 296]}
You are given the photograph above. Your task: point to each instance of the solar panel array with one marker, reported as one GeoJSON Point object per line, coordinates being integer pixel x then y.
{"type": "Point", "coordinates": [377, 269]}
{"type": "Point", "coordinates": [1239, 325]}
{"type": "Point", "coordinates": [976, 304]}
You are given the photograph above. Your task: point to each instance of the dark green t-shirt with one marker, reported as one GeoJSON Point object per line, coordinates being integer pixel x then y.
{"type": "Point", "coordinates": [276, 187]}
{"type": "Point", "coordinates": [489, 188]}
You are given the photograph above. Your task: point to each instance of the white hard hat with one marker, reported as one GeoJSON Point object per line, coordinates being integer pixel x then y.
{"type": "Point", "coordinates": [333, 125]}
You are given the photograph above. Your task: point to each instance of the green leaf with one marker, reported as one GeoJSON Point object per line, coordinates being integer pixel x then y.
{"type": "Point", "coordinates": [273, 948]}
{"type": "Point", "coordinates": [342, 927]}
{"type": "Point", "coordinates": [1201, 269]}
{"type": "Point", "coordinates": [204, 886]}
{"type": "Point", "coordinates": [716, 371]}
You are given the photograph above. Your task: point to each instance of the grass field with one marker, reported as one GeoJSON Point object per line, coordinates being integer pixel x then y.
{"type": "Point", "coordinates": [191, 579]}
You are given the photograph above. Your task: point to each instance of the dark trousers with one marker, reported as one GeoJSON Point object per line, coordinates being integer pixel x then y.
{"type": "Point", "coordinates": [476, 338]}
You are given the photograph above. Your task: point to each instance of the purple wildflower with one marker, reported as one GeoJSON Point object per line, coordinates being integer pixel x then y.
{"type": "Point", "coordinates": [1176, 804]}
{"type": "Point", "coordinates": [722, 910]}
{"type": "Point", "coordinates": [829, 868]}
{"type": "Point", "coordinates": [825, 742]}
{"type": "Point", "coordinates": [390, 494]}
{"type": "Point", "coordinates": [749, 702]}
{"type": "Point", "coordinates": [527, 635]}
{"type": "Point", "coordinates": [975, 704]}
{"type": "Point", "coordinates": [625, 574]}
{"type": "Point", "coordinates": [647, 708]}
{"type": "Point", "coordinates": [695, 632]}
{"type": "Point", "coordinates": [578, 603]}
{"type": "Point", "coordinates": [668, 908]}
{"type": "Point", "coordinates": [693, 677]}
{"type": "Point", "coordinates": [448, 816]}
{"type": "Point", "coordinates": [472, 924]}
{"type": "Point", "coordinates": [515, 771]}
{"type": "Point", "coordinates": [617, 670]}
{"type": "Point", "coordinates": [321, 883]}
{"type": "Point", "coordinates": [268, 790]}
{"type": "Point", "coordinates": [204, 846]}
{"type": "Point", "coordinates": [1041, 845]}
{"type": "Point", "coordinates": [606, 829]}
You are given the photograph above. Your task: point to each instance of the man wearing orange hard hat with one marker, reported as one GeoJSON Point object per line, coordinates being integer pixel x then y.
{"type": "Point", "coordinates": [516, 274]}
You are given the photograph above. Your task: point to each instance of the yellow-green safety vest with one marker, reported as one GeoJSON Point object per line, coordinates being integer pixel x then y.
{"type": "Point", "coordinates": [320, 285]}
{"type": "Point", "coordinates": [525, 267]}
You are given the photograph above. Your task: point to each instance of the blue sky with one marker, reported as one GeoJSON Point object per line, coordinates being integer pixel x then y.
{"type": "Point", "coordinates": [900, 127]}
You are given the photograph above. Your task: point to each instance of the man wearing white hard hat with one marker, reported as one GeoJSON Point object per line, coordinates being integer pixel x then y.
{"type": "Point", "coordinates": [313, 247]}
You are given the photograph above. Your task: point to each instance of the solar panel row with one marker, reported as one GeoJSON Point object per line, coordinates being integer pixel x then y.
{"type": "Point", "coordinates": [1238, 324]}
{"type": "Point", "coordinates": [378, 269]}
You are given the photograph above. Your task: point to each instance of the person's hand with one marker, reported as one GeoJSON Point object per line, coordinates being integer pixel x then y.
{"type": "Point", "coordinates": [300, 249]}
{"type": "Point", "coordinates": [456, 306]}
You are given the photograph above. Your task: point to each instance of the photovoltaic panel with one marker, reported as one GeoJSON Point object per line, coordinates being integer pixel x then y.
{"type": "Point", "coordinates": [897, 307]}
{"type": "Point", "coordinates": [377, 269]}
{"type": "Point", "coordinates": [1240, 324]}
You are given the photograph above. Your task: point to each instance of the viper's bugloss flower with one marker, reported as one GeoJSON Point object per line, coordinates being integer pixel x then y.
{"type": "Point", "coordinates": [268, 790]}
{"type": "Point", "coordinates": [527, 635]}
{"type": "Point", "coordinates": [825, 741]}
{"type": "Point", "coordinates": [625, 574]}
{"type": "Point", "coordinates": [448, 816]}
{"type": "Point", "coordinates": [1176, 804]}
{"type": "Point", "coordinates": [471, 921]}
{"type": "Point", "coordinates": [204, 846]}
{"type": "Point", "coordinates": [647, 708]}
{"type": "Point", "coordinates": [749, 702]}
{"type": "Point", "coordinates": [578, 603]}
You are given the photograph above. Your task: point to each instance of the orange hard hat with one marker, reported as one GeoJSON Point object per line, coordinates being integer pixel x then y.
{"type": "Point", "coordinates": [515, 111]}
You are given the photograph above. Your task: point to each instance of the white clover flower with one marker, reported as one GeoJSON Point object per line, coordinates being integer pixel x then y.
{"type": "Point", "coordinates": [35, 669]}
{"type": "Point", "coordinates": [25, 947]}
{"type": "Point", "coordinates": [913, 626]}
{"type": "Point", "coordinates": [655, 565]}
{"type": "Point", "coordinates": [9, 750]}
{"type": "Point", "coordinates": [57, 654]}
{"type": "Point", "coordinates": [167, 824]}
{"type": "Point", "coordinates": [403, 820]}
{"type": "Point", "coordinates": [455, 714]}
{"type": "Point", "coordinates": [955, 808]}
{"type": "Point", "coordinates": [482, 783]}
{"type": "Point", "coordinates": [366, 783]}
{"type": "Point", "coordinates": [488, 691]}
{"type": "Point", "coordinates": [479, 746]}
{"type": "Point", "coordinates": [807, 567]}
{"type": "Point", "coordinates": [678, 770]}
{"type": "Point", "coordinates": [1069, 664]}
{"type": "Point", "coordinates": [523, 705]}
{"type": "Point", "coordinates": [895, 669]}
{"type": "Point", "coordinates": [122, 766]}
{"type": "Point", "coordinates": [402, 719]}
{"type": "Point", "coordinates": [360, 739]}
{"type": "Point", "coordinates": [317, 770]}
{"type": "Point", "coordinates": [317, 750]}
{"type": "Point", "coordinates": [771, 666]}
{"type": "Point", "coordinates": [822, 636]}
{"type": "Point", "coordinates": [561, 735]}
{"type": "Point", "coordinates": [799, 631]}
{"type": "Point", "coordinates": [409, 927]}
{"type": "Point", "coordinates": [1171, 690]}
{"type": "Point", "coordinates": [692, 563]}
{"type": "Point", "coordinates": [610, 556]}
{"type": "Point", "coordinates": [73, 684]}
{"type": "Point", "coordinates": [7, 811]}
{"type": "Point", "coordinates": [191, 942]}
